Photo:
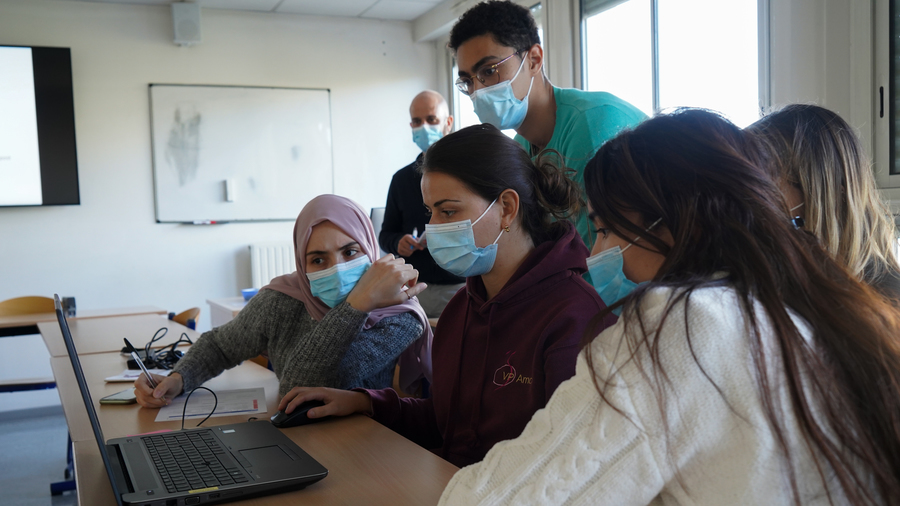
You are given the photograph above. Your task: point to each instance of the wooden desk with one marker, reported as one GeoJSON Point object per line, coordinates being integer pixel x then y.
{"type": "Point", "coordinates": [100, 335]}
{"type": "Point", "coordinates": [16, 325]}
{"type": "Point", "coordinates": [367, 463]}
{"type": "Point", "coordinates": [124, 420]}
{"type": "Point", "coordinates": [26, 320]}
{"type": "Point", "coordinates": [222, 311]}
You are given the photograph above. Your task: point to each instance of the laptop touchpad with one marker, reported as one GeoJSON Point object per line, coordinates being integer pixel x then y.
{"type": "Point", "coordinates": [268, 458]}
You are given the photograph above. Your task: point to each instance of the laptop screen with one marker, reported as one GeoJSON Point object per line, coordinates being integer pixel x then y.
{"type": "Point", "coordinates": [86, 396]}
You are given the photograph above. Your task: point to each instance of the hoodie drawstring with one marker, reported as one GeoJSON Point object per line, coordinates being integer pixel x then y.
{"type": "Point", "coordinates": [450, 433]}
{"type": "Point", "coordinates": [454, 393]}
{"type": "Point", "coordinates": [484, 367]}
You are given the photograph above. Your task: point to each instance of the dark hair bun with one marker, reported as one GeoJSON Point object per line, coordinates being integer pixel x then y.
{"type": "Point", "coordinates": [555, 190]}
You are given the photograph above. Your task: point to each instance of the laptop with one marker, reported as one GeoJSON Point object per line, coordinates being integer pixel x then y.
{"type": "Point", "coordinates": [196, 466]}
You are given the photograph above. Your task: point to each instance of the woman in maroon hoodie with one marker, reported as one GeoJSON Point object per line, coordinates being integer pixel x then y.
{"type": "Point", "coordinates": [511, 337]}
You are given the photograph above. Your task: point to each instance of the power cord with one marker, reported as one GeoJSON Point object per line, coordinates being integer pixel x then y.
{"type": "Point", "coordinates": [167, 356]}
{"type": "Point", "coordinates": [159, 334]}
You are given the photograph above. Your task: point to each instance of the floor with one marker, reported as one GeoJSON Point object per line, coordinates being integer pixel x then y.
{"type": "Point", "coordinates": [33, 455]}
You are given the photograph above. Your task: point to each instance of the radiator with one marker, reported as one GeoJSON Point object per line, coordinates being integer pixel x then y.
{"type": "Point", "coordinates": [269, 260]}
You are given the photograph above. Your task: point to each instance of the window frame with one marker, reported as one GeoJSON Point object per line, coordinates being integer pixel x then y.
{"type": "Point", "coordinates": [883, 102]}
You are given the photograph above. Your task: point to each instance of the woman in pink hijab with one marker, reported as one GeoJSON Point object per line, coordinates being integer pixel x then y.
{"type": "Point", "coordinates": [342, 320]}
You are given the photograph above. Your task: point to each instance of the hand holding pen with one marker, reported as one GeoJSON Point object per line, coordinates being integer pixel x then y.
{"type": "Point", "coordinates": [420, 239]}
{"type": "Point", "coordinates": [410, 243]}
{"type": "Point", "coordinates": [154, 391]}
{"type": "Point", "coordinates": [140, 362]}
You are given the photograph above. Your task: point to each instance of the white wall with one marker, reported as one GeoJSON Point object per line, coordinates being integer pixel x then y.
{"type": "Point", "coordinates": [822, 53]}
{"type": "Point", "coordinates": [108, 251]}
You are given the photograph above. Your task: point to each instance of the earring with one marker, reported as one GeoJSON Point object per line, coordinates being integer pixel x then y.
{"type": "Point", "coordinates": [506, 228]}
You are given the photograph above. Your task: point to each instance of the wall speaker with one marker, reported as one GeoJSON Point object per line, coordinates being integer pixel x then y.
{"type": "Point", "coordinates": [186, 21]}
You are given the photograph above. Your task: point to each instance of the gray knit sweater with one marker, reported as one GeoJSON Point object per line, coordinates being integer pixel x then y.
{"type": "Point", "coordinates": [334, 352]}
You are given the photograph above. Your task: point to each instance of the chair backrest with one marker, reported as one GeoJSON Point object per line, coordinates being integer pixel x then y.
{"type": "Point", "coordinates": [26, 305]}
{"type": "Point", "coordinates": [377, 217]}
{"type": "Point", "coordinates": [184, 316]}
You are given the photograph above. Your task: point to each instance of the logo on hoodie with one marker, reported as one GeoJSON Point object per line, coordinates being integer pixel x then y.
{"type": "Point", "coordinates": [506, 374]}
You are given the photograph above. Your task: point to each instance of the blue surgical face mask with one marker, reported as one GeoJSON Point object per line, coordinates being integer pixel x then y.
{"type": "Point", "coordinates": [499, 106]}
{"type": "Point", "coordinates": [334, 284]}
{"type": "Point", "coordinates": [426, 135]}
{"type": "Point", "coordinates": [452, 245]}
{"type": "Point", "coordinates": [608, 277]}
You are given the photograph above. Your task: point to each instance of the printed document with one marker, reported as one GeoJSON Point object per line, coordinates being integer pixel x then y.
{"type": "Point", "coordinates": [246, 401]}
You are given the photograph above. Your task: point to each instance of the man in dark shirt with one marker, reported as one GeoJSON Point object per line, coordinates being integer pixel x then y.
{"type": "Point", "coordinates": [402, 232]}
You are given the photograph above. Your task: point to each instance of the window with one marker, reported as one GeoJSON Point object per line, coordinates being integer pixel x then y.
{"type": "Point", "coordinates": [618, 56]}
{"type": "Point", "coordinates": [661, 54]}
{"type": "Point", "coordinates": [885, 116]}
{"type": "Point", "coordinates": [463, 110]}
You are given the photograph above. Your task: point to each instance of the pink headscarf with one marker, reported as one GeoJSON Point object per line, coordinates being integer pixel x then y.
{"type": "Point", "coordinates": [415, 361]}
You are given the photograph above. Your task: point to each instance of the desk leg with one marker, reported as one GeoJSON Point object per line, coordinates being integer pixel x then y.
{"type": "Point", "coordinates": [64, 486]}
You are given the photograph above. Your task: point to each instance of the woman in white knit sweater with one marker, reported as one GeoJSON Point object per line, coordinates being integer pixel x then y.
{"type": "Point", "coordinates": [747, 367]}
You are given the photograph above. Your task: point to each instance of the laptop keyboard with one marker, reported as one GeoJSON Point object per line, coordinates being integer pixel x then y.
{"type": "Point", "coordinates": [189, 461]}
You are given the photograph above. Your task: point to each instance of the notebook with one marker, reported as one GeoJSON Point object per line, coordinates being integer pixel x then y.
{"type": "Point", "coordinates": [196, 466]}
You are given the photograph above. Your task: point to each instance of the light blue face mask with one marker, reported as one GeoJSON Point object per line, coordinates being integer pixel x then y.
{"type": "Point", "coordinates": [608, 277]}
{"type": "Point", "coordinates": [426, 135]}
{"type": "Point", "coordinates": [499, 106]}
{"type": "Point", "coordinates": [334, 284]}
{"type": "Point", "coordinates": [452, 245]}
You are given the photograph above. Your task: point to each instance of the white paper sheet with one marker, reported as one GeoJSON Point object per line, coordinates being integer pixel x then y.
{"type": "Point", "coordinates": [129, 375]}
{"type": "Point", "coordinates": [247, 401]}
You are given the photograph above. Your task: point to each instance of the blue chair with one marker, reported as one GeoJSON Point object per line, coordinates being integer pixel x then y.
{"type": "Point", "coordinates": [187, 318]}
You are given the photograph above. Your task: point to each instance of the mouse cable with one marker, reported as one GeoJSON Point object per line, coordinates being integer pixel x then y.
{"type": "Point", "coordinates": [184, 409]}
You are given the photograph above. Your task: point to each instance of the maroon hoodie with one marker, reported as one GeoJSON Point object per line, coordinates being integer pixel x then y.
{"type": "Point", "coordinates": [498, 361]}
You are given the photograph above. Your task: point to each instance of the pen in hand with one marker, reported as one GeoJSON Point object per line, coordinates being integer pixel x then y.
{"type": "Point", "coordinates": [415, 236]}
{"type": "Point", "coordinates": [140, 363]}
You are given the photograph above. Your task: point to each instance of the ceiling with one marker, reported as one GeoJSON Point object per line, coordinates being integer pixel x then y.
{"type": "Point", "coordinates": [405, 10]}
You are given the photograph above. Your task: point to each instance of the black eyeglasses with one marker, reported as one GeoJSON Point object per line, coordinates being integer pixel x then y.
{"type": "Point", "coordinates": [487, 76]}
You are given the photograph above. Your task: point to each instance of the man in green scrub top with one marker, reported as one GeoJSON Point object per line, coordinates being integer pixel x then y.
{"type": "Point", "coordinates": [501, 62]}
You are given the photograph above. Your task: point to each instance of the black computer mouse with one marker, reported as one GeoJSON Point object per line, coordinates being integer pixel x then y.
{"type": "Point", "coordinates": [296, 417]}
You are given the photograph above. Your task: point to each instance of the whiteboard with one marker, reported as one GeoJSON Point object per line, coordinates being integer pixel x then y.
{"type": "Point", "coordinates": [229, 153]}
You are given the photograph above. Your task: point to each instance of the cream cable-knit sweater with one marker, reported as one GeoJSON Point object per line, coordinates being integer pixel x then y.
{"type": "Point", "coordinates": [578, 450]}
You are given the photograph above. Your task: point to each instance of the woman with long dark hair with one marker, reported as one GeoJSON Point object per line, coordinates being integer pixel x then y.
{"type": "Point", "coordinates": [505, 342]}
{"type": "Point", "coordinates": [748, 367]}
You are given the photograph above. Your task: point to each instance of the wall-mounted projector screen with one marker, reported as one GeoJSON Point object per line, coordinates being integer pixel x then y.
{"type": "Point", "coordinates": [38, 164]}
